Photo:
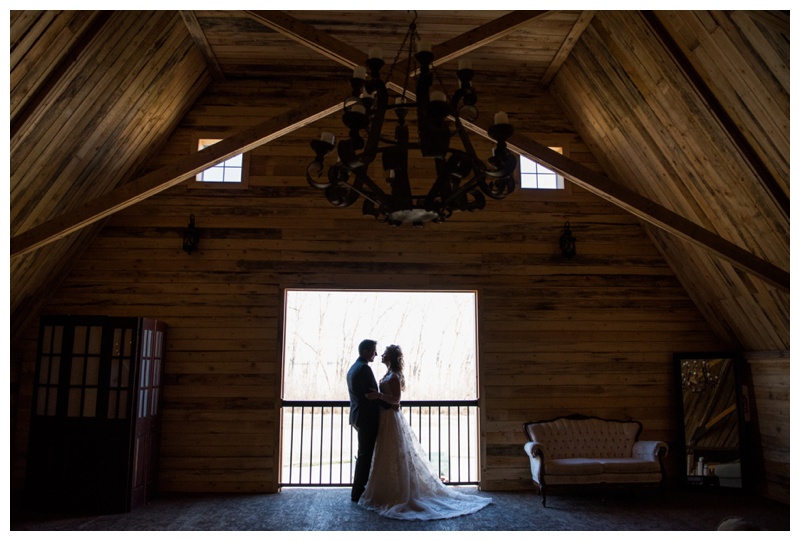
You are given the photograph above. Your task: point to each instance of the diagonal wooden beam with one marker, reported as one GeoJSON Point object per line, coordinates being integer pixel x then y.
{"type": "Point", "coordinates": [201, 41]}
{"type": "Point", "coordinates": [566, 47]}
{"type": "Point", "coordinates": [265, 132]}
{"type": "Point", "coordinates": [644, 208]}
{"type": "Point", "coordinates": [322, 43]}
{"type": "Point", "coordinates": [598, 184]}
{"type": "Point", "coordinates": [351, 57]}
{"type": "Point", "coordinates": [483, 35]}
{"type": "Point", "coordinates": [185, 168]}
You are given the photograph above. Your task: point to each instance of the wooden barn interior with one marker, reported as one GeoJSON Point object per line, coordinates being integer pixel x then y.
{"type": "Point", "coordinates": [673, 130]}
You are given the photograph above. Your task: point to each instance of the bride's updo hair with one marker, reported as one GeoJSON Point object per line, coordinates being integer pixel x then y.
{"type": "Point", "coordinates": [395, 356]}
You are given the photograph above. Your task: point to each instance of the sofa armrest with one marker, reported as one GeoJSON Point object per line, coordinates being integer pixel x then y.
{"type": "Point", "coordinates": [649, 450]}
{"type": "Point", "coordinates": [534, 450]}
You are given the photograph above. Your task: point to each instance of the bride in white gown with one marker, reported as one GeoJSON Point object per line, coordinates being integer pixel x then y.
{"type": "Point", "coordinates": [402, 482]}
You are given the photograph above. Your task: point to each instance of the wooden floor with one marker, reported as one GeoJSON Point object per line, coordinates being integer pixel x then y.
{"type": "Point", "coordinates": [331, 510]}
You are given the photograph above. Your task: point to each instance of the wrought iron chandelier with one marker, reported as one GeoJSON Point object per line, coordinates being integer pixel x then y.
{"type": "Point", "coordinates": [461, 179]}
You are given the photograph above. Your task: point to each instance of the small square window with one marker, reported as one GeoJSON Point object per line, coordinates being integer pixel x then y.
{"type": "Point", "coordinates": [537, 177]}
{"type": "Point", "coordinates": [230, 173]}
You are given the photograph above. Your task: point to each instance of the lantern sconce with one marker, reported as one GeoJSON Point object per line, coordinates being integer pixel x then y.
{"type": "Point", "coordinates": [191, 237]}
{"type": "Point", "coordinates": [567, 242]}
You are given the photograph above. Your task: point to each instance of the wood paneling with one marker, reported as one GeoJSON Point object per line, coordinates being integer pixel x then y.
{"type": "Point", "coordinates": [594, 334]}
{"type": "Point", "coordinates": [95, 102]}
{"type": "Point", "coordinates": [651, 130]}
{"type": "Point", "coordinates": [768, 377]}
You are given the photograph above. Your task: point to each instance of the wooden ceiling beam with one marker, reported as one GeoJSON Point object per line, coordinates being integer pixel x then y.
{"type": "Point", "coordinates": [170, 175]}
{"type": "Point", "coordinates": [598, 184]}
{"type": "Point", "coordinates": [201, 41]}
{"type": "Point", "coordinates": [322, 43]}
{"type": "Point", "coordinates": [274, 128]}
{"type": "Point", "coordinates": [566, 47]}
{"type": "Point", "coordinates": [647, 210]}
{"type": "Point", "coordinates": [483, 35]}
{"type": "Point", "coordinates": [351, 57]}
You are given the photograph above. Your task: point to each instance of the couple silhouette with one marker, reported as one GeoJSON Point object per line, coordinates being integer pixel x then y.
{"type": "Point", "coordinates": [393, 475]}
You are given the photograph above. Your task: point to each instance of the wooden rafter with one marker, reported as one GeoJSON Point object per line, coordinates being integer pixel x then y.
{"type": "Point", "coordinates": [648, 210]}
{"type": "Point", "coordinates": [600, 185]}
{"type": "Point", "coordinates": [483, 35]}
{"type": "Point", "coordinates": [351, 57]}
{"type": "Point", "coordinates": [566, 47]}
{"type": "Point", "coordinates": [320, 42]}
{"type": "Point", "coordinates": [200, 39]}
{"type": "Point", "coordinates": [171, 175]}
{"type": "Point", "coordinates": [307, 113]}
{"type": "Point", "coordinates": [187, 167]}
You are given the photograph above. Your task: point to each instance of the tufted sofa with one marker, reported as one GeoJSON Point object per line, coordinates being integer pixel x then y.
{"type": "Point", "coordinates": [580, 450]}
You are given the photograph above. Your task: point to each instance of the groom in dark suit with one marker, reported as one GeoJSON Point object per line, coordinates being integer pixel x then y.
{"type": "Point", "coordinates": [364, 413]}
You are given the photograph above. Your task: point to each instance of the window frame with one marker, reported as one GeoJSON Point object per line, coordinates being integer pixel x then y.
{"type": "Point", "coordinates": [243, 183]}
{"type": "Point", "coordinates": [561, 184]}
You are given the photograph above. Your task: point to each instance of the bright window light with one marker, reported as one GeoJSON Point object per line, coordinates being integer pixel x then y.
{"type": "Point", "coordinates": [435, 330]}
{"type": "Point", "coordinates": [229, 171]}
{"type": "Point", "coordinates": [537, 177]}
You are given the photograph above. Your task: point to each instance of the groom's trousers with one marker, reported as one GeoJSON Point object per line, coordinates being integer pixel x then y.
{"type": "Point", "coordinates": [366, 448]}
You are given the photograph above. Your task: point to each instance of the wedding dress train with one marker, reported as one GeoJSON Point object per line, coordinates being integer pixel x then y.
{"type": "Point", "coordinates": [404, 485]}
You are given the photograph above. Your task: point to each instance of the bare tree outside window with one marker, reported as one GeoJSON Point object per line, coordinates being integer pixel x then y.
{"type": "Point", "coordinates": [436, 330]}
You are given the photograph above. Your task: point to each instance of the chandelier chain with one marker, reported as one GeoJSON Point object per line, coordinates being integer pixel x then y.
{"type": "Point", "coordinates": [412, 36]}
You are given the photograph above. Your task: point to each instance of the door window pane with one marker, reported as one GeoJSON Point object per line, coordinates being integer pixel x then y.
{"type": "Point", "coordinates": [76, 376]}
{"type": "Point", "coordinates": [92, 370]}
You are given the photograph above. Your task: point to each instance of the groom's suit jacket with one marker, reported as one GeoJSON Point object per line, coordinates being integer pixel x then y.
{"type": "Point", "coordinates": [361, 380]}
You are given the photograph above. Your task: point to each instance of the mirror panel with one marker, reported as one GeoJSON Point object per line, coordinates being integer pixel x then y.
{"type": "Point", "coordinates": [709, 389]}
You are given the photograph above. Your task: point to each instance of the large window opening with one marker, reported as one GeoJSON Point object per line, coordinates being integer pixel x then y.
{"type": "Point", "coordinates": [437, 332]}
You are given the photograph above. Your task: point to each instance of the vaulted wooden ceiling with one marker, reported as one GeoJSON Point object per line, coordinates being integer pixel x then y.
{"type": "Point", "coordinates": [688, 113]}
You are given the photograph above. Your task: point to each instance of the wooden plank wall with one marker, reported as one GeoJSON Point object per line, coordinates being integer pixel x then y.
{"type": "Point", "coordinates": [769, 419]}
{"type": "Point", "coordinates": [593, 335]}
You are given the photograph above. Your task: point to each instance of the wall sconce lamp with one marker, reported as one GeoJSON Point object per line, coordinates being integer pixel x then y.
{"type": "Point", "coordinates": [191, 237]}
{"type": "Point", "coordinates": [567, 242]}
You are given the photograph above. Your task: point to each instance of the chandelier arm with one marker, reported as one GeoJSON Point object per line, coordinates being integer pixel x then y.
{"type": "Point", "coordinates": [465, 188]}
{"type": "Point", "coordinates": [461, 130]}
{"type": "Point", "coordinates": [468, 148]}
{"type": "Point", "coordinates": [441, 186]}
{"type": "Point", "coordinates": [376, 123]}
{"type": "Point", "coordinates": [313, 182]}
{"type": "Point", "coordinates": [340, 195]}
{"type": "Point", "coordinates": [374, 193]}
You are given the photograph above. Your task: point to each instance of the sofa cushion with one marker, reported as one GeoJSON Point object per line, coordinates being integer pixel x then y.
{"type": "Point", "coordinates": [628, 465]}
{"type": "Point", "coordinates": [584, 438]}
{"type": "Point", "coordinates": [572, 466]}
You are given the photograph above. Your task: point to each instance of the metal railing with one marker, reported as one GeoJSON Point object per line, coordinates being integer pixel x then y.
{"type": "Point", "coordinates": [319, 446]}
